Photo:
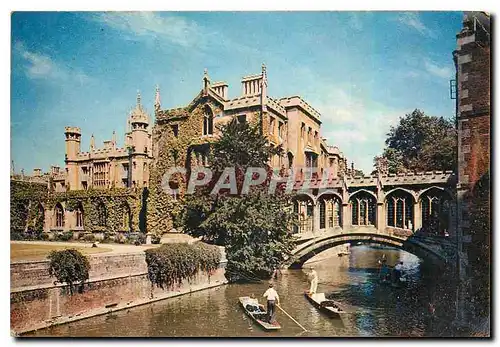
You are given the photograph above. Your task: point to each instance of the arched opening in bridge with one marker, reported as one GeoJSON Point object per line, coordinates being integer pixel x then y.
{"type": "Point", "coordinates": [435, 205]}
{"type": "Point", "coordinates": [330, 211]}
{"type": "Point", "coordinates": [399, 206]}
{"type": "Point", "coordinates": [363, 208]}
{"type": "Point", "coordinates": [303, 206]}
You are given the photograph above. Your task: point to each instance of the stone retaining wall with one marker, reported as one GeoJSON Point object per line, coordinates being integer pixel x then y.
{"type": "Point", "coordinates": [116, 282]}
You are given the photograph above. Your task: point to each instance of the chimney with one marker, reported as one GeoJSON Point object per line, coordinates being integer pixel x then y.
{"type": "Point", "coordinates": [220, 88]}
{"type": "Point", "coordinates": [37, 172]}
{"type": "Point", "coordinates": [54, 170]}
{"type": "Point", "coordinates": [251, 85]}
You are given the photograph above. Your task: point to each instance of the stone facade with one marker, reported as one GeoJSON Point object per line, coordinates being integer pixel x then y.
{"type": "Point", "coordinates": [472, 61]}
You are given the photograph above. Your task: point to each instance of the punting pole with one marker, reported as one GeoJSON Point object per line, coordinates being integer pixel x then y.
{"type": "Point", "coordinates": [291, 318]}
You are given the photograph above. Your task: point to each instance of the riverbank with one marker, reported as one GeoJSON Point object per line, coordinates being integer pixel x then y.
{"type": "Point", "coordinates": [117, 281]}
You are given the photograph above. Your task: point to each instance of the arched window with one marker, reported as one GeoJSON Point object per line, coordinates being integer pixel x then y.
{"type": "Point", "coordinates": [363, 208]}
{"type": "Point", "coordinates": [40, 218]}
{"type": "Point", "coordinates": [79, 216]}
{"type": "Point", "coordinates": [208, 122]}
{"type": "Point", "coordinates": [101, 214]}
{"type": "Point", "coordinates": [127, 217]}
{"type": "Point", "coordinates": [330, 210]}
{"type": "Point", "coordinates": [305, 211]}
{"type": "Point", "coordinates": [399, 207]}
{"type": "Point", "coordinates": [59, 216]}
{"type": "Point", "coordinates": [435, 206]}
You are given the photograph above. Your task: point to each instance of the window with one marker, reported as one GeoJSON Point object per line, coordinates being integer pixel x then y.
{"type": "Point", "coordinates": [271, 125]}
{"type": "Point", "coordinates": [101, 214]}
{"type": "Point", "coordinates": [59, 216]}
{"type": "Point", "coordinates": [280, 129]}
{"type": "Point", "coordinates": [302, 131]}
{"type": "Point", "coordinates": [127, 214]}
{"type": "Point", "coordinates": [146, 150]}
{"type": "Point", "coordinates": [175, 129]}
{"type": "Point", "coordinates": [400, 210]}
{"type": "Point", "coordinates": [208, 122]}
{"type": "Point", "coordinates": [85, 185]}
{"type": "Point", "coordinates": [309, 132]}
{"type": "Point", "coordinates": [79, 216]}
{"type": "Point", "coordinates": [363, 209]}
{"type": "Point", "coordinates": [242, 118]}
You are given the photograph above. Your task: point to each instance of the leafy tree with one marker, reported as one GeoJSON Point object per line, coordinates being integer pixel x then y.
{"type": "Point", "coordinates": [255, 227]}
{"type": "Point", "coordinates": [420, 143]}
{"type": "Point", "coordinates": [69, 266]}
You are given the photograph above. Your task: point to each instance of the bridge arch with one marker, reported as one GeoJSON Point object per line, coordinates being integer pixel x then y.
{"type": "Point", "coordinates": [309, 249]}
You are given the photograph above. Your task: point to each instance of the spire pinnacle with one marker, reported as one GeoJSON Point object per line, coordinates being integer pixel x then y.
{"type": "Point", "coordinates": [138, 99]}
{"type": "Point", "coordinates": [157, 98]}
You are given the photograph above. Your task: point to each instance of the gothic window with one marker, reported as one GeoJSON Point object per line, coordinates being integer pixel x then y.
{"type": "Point", "coordinates": [280, 129]}
{"type": "Point", "coordinates": [305, 210]}
{"type": "Point", "coordinates": [59, 216]}
{"type": "Point", "coordinates": [208, 122]}
{"type": "Point", "coordinates": [331, 215]}
{"type": "Point", "coordinates": [435, 206]}
{"type": "Point", "coordinates": [399, 207]}
{"type": "Point", "coordinates": [40, 218]}
{"type": "Point", "coordinates": [126, 222]}
{"type": "Point", "coordinates": [175, 130]}
{"type": "Point", "coordinates": [363, 208]}
{"type": "Point", "coordinates": [271, 125]}
{"type": "Point", "coordinates": [322, 213]}
{"type": "Point", "coordinates": [79, 216]}
{"type": "Point", "coordinates": [101, 214]}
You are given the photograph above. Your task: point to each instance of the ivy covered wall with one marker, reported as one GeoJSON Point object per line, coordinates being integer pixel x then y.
{"type": "Point", "coordinates": [113, 210]}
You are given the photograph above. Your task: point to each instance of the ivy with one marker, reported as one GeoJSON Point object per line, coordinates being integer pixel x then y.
{"type": "Point", "coordinates": [170, 264]}
{"type": "Point", "coordinates": [69, 266]}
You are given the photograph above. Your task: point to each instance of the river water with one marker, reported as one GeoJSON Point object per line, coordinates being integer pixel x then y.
{"type": "Point", "coordinates": [375, 309]}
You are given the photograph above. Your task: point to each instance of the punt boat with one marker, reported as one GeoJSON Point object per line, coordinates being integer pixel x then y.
{"type": "Point", "coordinates": [257, 313]}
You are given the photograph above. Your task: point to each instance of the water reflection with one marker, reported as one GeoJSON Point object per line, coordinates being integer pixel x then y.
{"type": "Point", "coordinates": [377, 309]}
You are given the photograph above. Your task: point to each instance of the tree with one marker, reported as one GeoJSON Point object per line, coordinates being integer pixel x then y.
{"type": "Point", "coordinates": [69, 266]}
{"type": "Point", "coordinates": [255, 227]}
{"type": "Point", "coordinates": [421, 143]}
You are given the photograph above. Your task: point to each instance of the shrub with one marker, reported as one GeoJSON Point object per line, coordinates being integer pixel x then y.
{"type": "Point", "coordinates": [170, 264]}
{"type": "Point", "coordinates": [155, 239]}
{"type": "Point", "coordinates": [89, 237]}
{"type": "Point", "coordinates": [44, 236]}
{"type": "Point", "coordinates": [69, 266]}
{"type": "Point", "coordinates": [66, 236]}
{"type": "Point", "coordinates": [16, 236]}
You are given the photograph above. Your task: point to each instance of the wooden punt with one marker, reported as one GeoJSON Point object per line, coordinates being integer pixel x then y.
{"type": "Point", "coordinates": [328, 307]}
{"type": "Point", "coordinates": [257, 313]}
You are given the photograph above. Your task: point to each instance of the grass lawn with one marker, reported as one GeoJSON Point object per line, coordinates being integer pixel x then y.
{"type": "Point", "coordinates": [27, 251]}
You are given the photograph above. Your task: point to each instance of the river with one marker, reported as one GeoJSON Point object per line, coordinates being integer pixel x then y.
{"type": "Point", "coordinates": [375, 309]}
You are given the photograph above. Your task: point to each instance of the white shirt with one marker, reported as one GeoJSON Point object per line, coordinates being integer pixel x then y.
{"type": "Point", "coordinates": [271, 294]}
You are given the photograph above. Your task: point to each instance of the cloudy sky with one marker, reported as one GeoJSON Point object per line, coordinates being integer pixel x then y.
{"type": "Point", "coordinates": [361, 70]}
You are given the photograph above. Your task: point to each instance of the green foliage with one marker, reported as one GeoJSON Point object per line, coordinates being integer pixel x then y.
{"type": "Point", "coordinates": [479, 250]}
{"type": "Point", "coordinates": [170, 264]}
{"type": "Point", "coordinates": [255, 227]}
{"type": "Point", "coordinates": [241, 146]}
{"type": "Point", "coordinates": [421, 143]}
{"type": "Point", "coordinates": [89, 237]}
{"type": "Point", "coordinates": [69, 266]}
{"type": "Point", "coordinates": [66, 236]}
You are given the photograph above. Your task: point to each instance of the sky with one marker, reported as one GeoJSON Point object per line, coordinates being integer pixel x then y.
{"type": "Point", "coordinates": [360, 70]}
